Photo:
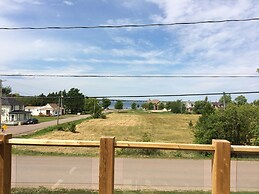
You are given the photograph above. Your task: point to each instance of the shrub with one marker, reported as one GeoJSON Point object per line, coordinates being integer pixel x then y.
{"type": "Point", "coordinates": [190, 124]}
{"type": "Point", "coordinates": [60, 128]}
{"type": "Point", "coordinates": [67, 127]}
{"type": "Point", "coordinates": [237, 124]}
{"type": "Point", "coordinates": [103, 116]}
{"type": "Point", "coordinates": [72, 127]}
{"type": "Point", "coordinates": [148, 152]}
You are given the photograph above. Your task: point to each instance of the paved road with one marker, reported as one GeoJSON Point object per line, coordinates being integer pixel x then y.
{"type": "Point", "coordinates": [25, 129]}
{"type": "Point", "coordinates": [160, 174]}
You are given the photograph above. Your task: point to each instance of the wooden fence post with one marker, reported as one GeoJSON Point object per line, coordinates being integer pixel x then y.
{"type": "Point", "coordinates": [221, 167]}
{"type": "Point", "coordinates": [106, 165]}
{"type": "Point", "coordinates": [5, 164]}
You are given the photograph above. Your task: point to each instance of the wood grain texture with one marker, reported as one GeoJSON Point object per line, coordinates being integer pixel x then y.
{"type": "Point", "coordinates": [221, 167]}
{"type": "Point", "coordinates": [5, 164]}
{"type": "Point", "coordinates": [106, 165]}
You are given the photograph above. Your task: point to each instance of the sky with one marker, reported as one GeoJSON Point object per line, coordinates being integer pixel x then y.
{"type": "Point", "coordinates": [205, 49]}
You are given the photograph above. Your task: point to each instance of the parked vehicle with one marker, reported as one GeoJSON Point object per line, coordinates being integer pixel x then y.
{"type": "Point", "coordinates": [31, 121]}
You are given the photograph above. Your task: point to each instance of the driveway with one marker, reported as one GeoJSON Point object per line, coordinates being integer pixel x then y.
{"type": "Point", "coordinates": [26, 129]}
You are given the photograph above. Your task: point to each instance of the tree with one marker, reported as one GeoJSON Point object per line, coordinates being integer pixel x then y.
{"type": "Point", "coordinates": [240, 100]}
{"type": "Point", "coordinates": [144, 106]}
{"type": "Point", "coordinates": [6, 91]}
{"type": "Point", "coordinates": [118, 104]}
{"type": "Point", "coordinates": [133, 106]}
{"type": "Point", "coordinates": [225, 99]}
{"type": "Point", "coordinates": [150, 106]}
{"type": "Point", "coordinates": [176, 106]}
{"type": "Point", "coordinates": [106, 103]}
{"type": "Point", "coordinates": [74, 101]}
{"type": "Point", "coordinates": [92, 105]}
{"type": "Point", "coordinates": [203, 107]}
{"type": "Point", "coordinates": [237, 124]}
{"type": "Point", "coordinates": [256, 102]}
{"type": "Point", "coordinates": [161, 106]}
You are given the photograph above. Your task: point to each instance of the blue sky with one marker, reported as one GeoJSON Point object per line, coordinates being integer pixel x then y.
{"type": "Point", "coordinates": [207, 49]}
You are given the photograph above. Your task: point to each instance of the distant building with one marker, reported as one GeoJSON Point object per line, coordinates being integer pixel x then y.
{"type": "Point", "coordinates": [217, 105]}
{"type": "Point", "coordinates": [50, 109]}
{"type": "Point", "coordinates": [155, 103]}
{"type": "Point", "coordinates": [189, 106]}
{"type": "Point", "coordinates": [13, 112]}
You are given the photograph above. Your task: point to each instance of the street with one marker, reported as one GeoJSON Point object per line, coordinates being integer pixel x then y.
{"type": "Point", "coordinates": [25, 129]}
{"type": "Point", "coordinates": [133, 174]}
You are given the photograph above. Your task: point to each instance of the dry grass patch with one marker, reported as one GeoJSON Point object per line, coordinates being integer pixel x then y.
{"type": "Point", "coordinates": [125, 126]}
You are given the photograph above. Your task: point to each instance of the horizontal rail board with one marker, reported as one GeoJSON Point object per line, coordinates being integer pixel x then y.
{"type": "Point", "coordinates": [164, 146]}
{"type": "Point", "coordinates": [47, 142]}
{"type": "Point", "coordinates": [126, 144]}
{"type": "Point", "coordinates": [245, 149]}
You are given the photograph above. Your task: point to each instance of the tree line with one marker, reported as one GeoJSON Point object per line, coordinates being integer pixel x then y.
{"type": "Point", "coordinates": [73, 101]}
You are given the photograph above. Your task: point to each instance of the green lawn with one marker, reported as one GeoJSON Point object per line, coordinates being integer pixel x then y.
{"type": "Point", "coordinates": [50, 118]}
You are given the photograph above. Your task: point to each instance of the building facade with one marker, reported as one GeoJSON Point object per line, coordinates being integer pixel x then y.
{"type": "Point", "coordinates": [13, 112]}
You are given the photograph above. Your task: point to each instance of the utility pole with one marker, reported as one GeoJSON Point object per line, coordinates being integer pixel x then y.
{"type": "Point", "coordinates": [59, 105]}
{"type": "Point", "coordinates": [58, 110]}
{"type": "Point", "coordinates": [224, 100]}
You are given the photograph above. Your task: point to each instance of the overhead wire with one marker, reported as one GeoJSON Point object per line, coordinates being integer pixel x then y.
{"type": "Point", "coordinates": [130, 25]}
{"type": "Point", "coordinates": [178, 95]}
{"type": "Point", "coordinates": [129, 76]}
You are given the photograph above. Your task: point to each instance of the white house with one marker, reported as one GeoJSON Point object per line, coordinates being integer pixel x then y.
{"type": "Point", "coordinates": [50, 109]}
{"type": "Point", "coordinates": [189, 106]}
{"type": "Point", "coordinates": [13, 112]}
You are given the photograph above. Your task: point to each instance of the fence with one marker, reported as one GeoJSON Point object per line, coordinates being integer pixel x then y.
{"type": "Point", "coordinates": [221, 150]}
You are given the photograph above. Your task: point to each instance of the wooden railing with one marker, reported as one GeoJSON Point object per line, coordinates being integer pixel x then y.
{"type": "Point", "coordinates": [221, 150]}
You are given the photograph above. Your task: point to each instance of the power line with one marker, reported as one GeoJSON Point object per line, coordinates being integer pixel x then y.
{"type": "Point", "coordinates": [129, 25]}
{"type": "Point", "coordinates": [129, 76]}
{"type": "Point", "coordinates": [178, 95]}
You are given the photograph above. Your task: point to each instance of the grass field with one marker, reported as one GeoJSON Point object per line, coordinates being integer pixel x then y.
{"type": "Point", "coordinates": [129, 126]}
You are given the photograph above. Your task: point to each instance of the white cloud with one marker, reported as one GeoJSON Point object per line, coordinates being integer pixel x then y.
{"type": "Point", "coordinates": [220, 46]}
{"type": "Point", "coordinates": [34, 2]}
{"type": "Point", "coordinates": [7, 6]}
{"type": "Point", "coordinates": [93, 50]}
{"type": "Point", "coordinates": [68, 3]}
{"type": "Point", "coordinates": [16, 48]}
{"type": "Point", "coordinates": [192, 10]}
{"type": "Point", "coordinates": [124, 41]}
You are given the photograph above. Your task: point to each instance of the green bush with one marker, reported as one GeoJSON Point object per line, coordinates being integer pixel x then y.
{"type": "Point", "coordinates": [67, 127]}
{"type": "Point", "coordinates": [237, 124]}
{"type": "Point", "coordinates": [103, 116]}
{"type": "Point", "coordinates": [72, 127]}
{"type": "Point", "coordinates": [60, 128]}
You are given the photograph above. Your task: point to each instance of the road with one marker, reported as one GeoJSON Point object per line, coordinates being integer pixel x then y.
{"type": "Point", "coordinates": [25, 129]}
{"type": "Point", "coordinates": [134, 174]}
